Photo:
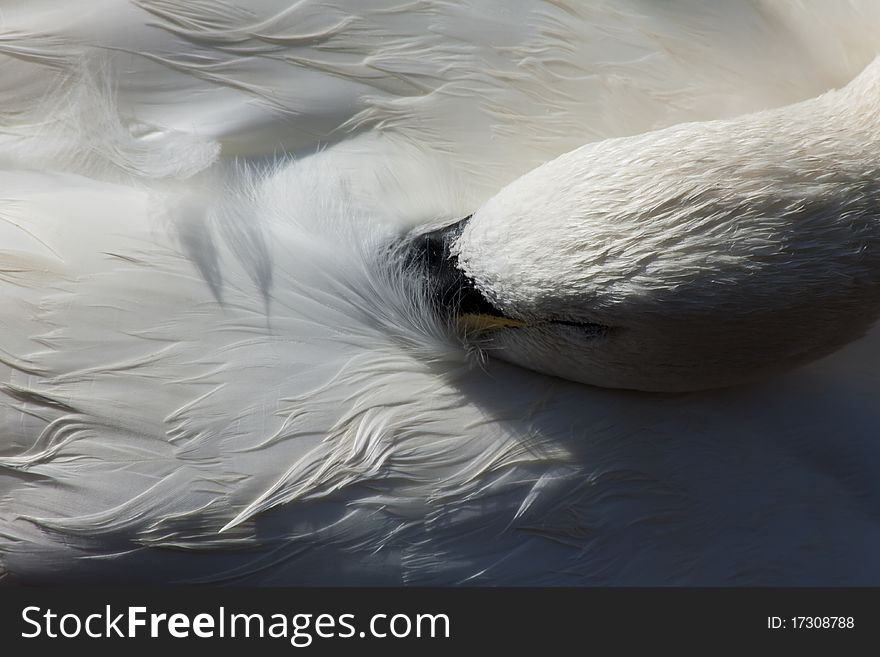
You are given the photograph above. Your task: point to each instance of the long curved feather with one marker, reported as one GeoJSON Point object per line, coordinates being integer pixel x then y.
{"type": "Point", "coordinates": [215, 371]}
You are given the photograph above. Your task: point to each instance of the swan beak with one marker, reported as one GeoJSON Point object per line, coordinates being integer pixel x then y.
{"type": "Point", "coordinates": [432, 255]}
{"type": "Point", "coordinates": [476, 322]}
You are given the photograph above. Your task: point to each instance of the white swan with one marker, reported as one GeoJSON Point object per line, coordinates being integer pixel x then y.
{"type": "Point", "coordinates": [213, 371]}
{"type": "Point", "coordinates": [702, 255]}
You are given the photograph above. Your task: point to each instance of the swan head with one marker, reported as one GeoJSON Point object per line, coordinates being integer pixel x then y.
{"type": "Point", "coordinates": [700, 256]}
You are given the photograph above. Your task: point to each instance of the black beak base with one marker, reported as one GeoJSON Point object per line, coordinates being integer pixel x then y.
{"type": "Point", "coordinates": [448, 286]}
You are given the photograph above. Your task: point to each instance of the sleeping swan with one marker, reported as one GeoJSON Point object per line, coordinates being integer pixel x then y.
{"type": "Point", "coordinates": [275, 372]}
{"type": "Point", "coordinates": [702, 255]}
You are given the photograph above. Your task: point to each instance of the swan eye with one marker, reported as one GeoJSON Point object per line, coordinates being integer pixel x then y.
{"type": "Point", "coordinates": [591, 329]}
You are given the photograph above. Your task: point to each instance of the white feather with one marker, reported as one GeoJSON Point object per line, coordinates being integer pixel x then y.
{"type": "Point", "coordinates": [713, 253]}
{"type": "Point", "coordinates": [214, 371]}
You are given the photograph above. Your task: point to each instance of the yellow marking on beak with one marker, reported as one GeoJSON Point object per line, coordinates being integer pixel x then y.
{"type": "Point", "coordinates": [481, 322]}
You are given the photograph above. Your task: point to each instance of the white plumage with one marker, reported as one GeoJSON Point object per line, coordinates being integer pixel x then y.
{"type": "Point", "coordinates": [709, 253]}
{"type": "Point", "coordinates": [213, 370]}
